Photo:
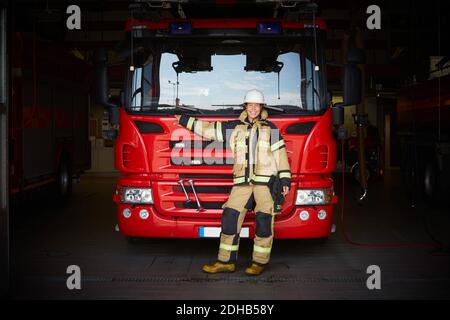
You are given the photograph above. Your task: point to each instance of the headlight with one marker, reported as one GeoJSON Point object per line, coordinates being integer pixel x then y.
{"type": "Point", "coordinates": [322, 214]}
{"type": "Point", "coordinates": [126, 213]}
{"type": "Point", "coordinates": [143, 214]}
{"type": "Point", "coordinates": [304, 215]}
{"type": "Point", "coordinates": [313, 197]}
{"type": "Point", "coordinates": [137, 195]}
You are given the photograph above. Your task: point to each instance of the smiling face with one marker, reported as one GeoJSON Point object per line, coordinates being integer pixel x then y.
{"type": "Point", "coordinates": [253, 110]}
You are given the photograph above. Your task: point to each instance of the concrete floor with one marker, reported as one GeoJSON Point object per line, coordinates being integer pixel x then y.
{"type": "Point", "coordinates": [47, 239]}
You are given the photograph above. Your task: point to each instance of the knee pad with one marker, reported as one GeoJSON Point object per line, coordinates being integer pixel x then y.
{"type": "Point", "coordinates": [263, 224]}
{"type": "Point", "coordinates": [229, 221]}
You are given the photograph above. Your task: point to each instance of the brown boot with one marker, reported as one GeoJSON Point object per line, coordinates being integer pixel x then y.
{"type": "Point", "coordinates": [219, 267]}
{"type": "Point", "coordinates": [254, 270]}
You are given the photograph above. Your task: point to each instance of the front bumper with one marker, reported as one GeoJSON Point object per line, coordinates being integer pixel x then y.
{"type": "Point", "coordinates": [161, 226]}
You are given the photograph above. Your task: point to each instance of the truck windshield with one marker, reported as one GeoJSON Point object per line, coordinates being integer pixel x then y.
{"type": "Point", "coordinates": [214, 79]}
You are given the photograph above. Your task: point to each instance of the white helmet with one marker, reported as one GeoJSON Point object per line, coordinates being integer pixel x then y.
{"type": "Point", "coordinates": [254, 96]}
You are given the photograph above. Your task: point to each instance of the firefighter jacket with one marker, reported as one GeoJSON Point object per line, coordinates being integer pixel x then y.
{"type": "Point", "coordinates": [258, 149]}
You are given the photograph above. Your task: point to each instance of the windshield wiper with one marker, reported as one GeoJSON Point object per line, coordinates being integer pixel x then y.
{"type": "Point", "coordinates": [278, 108]}
{"type": "Point", "coordinates": [228, 105]}
{"type": "Point", "coordinates": [190, 108]}
{"type": "Point", "coordinates": [183, 106]}
{"type": "Point", "coordinates": [290, 107]}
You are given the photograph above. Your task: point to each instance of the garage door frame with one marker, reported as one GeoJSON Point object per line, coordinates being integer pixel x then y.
{"type": "Point", "coordinates": [4, 192]}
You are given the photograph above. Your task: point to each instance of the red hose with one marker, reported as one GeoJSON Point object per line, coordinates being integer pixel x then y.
{"type": "Point", "coordinates": [373, 245]}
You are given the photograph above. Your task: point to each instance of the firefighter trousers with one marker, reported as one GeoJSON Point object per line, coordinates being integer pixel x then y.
{"type": "Point", "coordinates": [233, 216]}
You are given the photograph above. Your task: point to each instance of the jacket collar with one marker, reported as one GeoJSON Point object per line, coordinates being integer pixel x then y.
{"type": "Point", "coordinates": [244, 117]}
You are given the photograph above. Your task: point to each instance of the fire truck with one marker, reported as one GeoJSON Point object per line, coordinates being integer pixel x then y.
{"type": "Point", "coordinates": [49, 142]}
{"type": "Point", "coordinates": [173, 183]}
{"type": "Point", "coordinates": [423, 112]}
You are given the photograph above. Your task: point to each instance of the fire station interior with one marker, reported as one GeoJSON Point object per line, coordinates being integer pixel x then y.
{"type": "Point", "coordinates": [390, 178]}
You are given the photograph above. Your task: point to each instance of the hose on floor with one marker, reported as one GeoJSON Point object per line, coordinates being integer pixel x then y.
{"type": "Point", "coordinates": [434, 245]}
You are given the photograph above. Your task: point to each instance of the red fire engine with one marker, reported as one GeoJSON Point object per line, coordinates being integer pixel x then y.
{"type": "Point", "coordinates": [49, 141]}
{"type": "Point", "coordinates": [173, 183]}
{"type": "Point", "coordinates": [424, 129]}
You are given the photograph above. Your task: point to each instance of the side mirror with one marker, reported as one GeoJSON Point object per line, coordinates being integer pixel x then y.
{"type": "Point", "coordinates": [329, 96]}
{"type": "Point", "coordinates": [111, 134]}
{"type": "Point", "coordinates": [338, 115]}
{"type": "Point", "coordinates": [352, 78]}
{"type": "Point", "coordinates": [101, 77]}
{"type": "Point", "coordinates": [352, 81]}
{"type": "Point", "coordinates": [114, 115]}
{"type": "Point", "coordinates": [102, 86]}
{"type": "Point", "coordinates": [122, 97]}
{"type": "Point", "coordinates": [352, 84]}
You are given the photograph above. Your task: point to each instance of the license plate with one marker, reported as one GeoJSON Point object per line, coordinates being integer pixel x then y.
{"type": "Point", "coordinates": [214, 232]}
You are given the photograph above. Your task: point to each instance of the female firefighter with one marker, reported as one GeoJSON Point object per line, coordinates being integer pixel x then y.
{"type": "Point", "coordinates": [259, 158]}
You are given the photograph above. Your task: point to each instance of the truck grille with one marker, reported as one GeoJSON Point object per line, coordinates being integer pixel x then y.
{"type": "Point", "coordinates": [198, 153]}
{"type": "Point", "coordinates": [203, 189]}
{"type": "Point", "coordinates": [211, 193]}
{"type": "Point", "coordinates": [188, 161]}
{"type": "Point", "coordinates": [197, 145]}
{"type": "Point", "coordinates": [193, 205]}
{"type": "Point", "coordinates": [205, 175]}
{"type": "Point", "coordinates": [183, 160]}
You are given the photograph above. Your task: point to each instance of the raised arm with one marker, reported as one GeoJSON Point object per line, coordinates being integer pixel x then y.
{"type": "Point", "coordinates": [215, 130]}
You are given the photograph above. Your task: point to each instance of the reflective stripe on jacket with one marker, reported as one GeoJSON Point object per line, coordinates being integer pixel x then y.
{"type": "Point", "coordinates": [258, 148]}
